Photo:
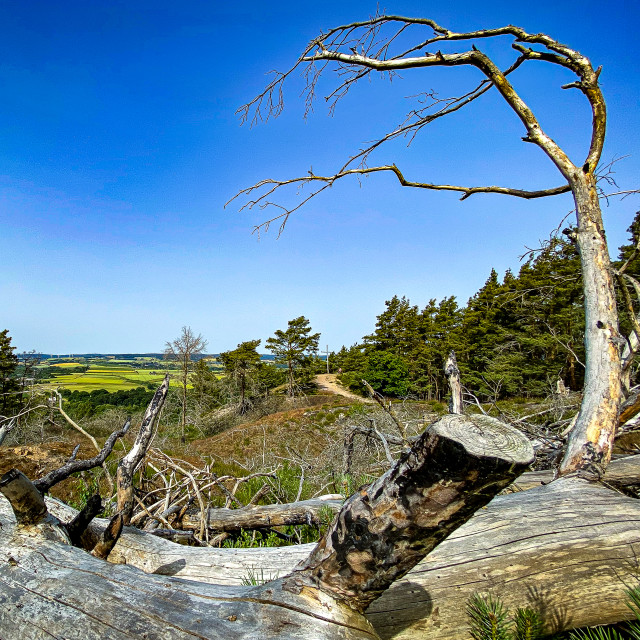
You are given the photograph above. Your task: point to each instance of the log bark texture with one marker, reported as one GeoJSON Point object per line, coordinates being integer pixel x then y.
{"type": "Point", "coordinates": [590, 442]}
{"type": "Point", "coordinates": [387, 527]}
{"type": "Point", "coordinates": [453, 376]}
{"type": "Point", "coordinates": [586, 537]}
{"type": "Point", "coordinates": [563, 549]}
{"type": "Point", "coordinates": [49, 590]}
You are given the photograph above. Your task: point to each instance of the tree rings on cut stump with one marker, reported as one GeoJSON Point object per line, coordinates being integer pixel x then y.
{"type": "Point", "coordinates": [485, 437]}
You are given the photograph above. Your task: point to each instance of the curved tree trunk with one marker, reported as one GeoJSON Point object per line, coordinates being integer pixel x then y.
{"type": "Point", "coordinates": [591, 440]}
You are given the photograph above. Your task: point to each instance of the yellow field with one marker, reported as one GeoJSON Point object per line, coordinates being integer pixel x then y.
{"type": "Point", "coordinates": [109, 378]}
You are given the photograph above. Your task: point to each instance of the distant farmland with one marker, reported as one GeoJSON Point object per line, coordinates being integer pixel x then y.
{"type": "Point", "coordinates": [110, 377]}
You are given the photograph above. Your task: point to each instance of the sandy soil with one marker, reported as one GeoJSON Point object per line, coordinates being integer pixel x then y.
{"type": "Point", "coordinates": [329, 382]}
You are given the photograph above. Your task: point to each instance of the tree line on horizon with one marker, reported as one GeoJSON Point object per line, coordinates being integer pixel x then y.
{"type": "Point", "coordinates": [516, 336]}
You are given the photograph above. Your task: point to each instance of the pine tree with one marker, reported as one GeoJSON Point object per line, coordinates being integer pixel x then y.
{"type": "Point", "coordinates": [625, 253]}
{"type": "Point", "coordinates": [239, 364]}
{"type": "Point", "coordinates": [483, 330]}
{"type": "Point", "coordinates": [206, 388]}
{"type": "Point", "coordinates": [294, 347]}
{"type": "Point", "coordinates": [10, 396]}
{"type": "Point", "coordinates": [397, 328]}
{"type": "Point", "coordinates": [549, 305]}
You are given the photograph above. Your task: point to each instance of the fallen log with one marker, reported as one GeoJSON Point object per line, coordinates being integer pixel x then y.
{"type": "Point", "coordinates": [564, 548]}
{"type": "Point", "coordinates": [264, 516]}
{"type": "Point", "coordinates": [622, 474]}
{"type": "Point", "coordinates": [454, 468]}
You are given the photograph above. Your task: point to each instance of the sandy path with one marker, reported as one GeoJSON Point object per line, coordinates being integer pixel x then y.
{"type": "Point", "coordinates": [328, 382]}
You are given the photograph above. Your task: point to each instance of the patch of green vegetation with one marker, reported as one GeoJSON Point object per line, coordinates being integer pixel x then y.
{"type": "Point", "coordinates": [252, 539]}
{"type": "Point", "coordinates": [256, 576]}
{"type": "Point", "coordinates": [82, 404]}
{"type": "Point", "coordinates": [87, 486]}
{"type": "Point", "coordinates": [489, 619]}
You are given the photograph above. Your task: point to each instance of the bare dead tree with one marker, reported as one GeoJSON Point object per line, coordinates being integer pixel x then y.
{"type": "Point", "coordinates": [183, 349]}
{"type": "Point", "coordinates": [358, 50]}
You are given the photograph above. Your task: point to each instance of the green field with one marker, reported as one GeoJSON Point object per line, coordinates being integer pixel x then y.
{"type": "Point", "coordinates": [111, 378]}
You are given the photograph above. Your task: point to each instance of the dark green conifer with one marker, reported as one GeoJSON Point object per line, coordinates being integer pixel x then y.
{"type": "Point", "coordinates": [10, 396]}
{"type": "Point", "coordinates": [239, 364]}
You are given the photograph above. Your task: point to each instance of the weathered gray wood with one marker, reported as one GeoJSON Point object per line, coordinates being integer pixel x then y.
{"type": "Point", "coordinates": [453, 376]}
{"type": "Point", "coordinates": [571, 542]}
{"type": "Point", "coordinates": [130, 462]}
{"type": "Point", "coordinates": [590, 442]}
{"type": "Point", "coordinates": [230, 566]}
{"type": "Point", "coordinates": [621, 473]}
{"type": "Point", "coordinates": [51, 590]}
{"type": "Point", "coordinates": [563, 548]}
{"type": "Point", "coordinates": [480, 455]}
{"type": "Point", "coordinates": [27, 502]}
{"type": "Point", "coordinates": [264, 516]}
{"type": "Point", "coordinates": [6, 428]}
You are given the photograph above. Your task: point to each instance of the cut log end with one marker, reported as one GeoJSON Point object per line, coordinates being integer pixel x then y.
{"type": "Point", "coordinates": [486, 437]}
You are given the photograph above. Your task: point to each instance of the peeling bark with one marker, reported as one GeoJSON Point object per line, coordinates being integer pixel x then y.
{"type": "Point", "coordinates": [590, 442]}
{"type": "Point", "coordinates": [453, 376]}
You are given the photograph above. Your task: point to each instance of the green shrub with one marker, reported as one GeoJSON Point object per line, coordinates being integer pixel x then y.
{"type": "Point", "coordinates": [489, 620]}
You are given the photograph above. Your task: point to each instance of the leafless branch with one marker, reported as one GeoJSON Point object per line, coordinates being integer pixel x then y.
{"type": "Point", "coordinates": [359, 48]}
{"type": "Point", "coordinates": [566, 345]}
{"type": "Point", "coordinates": [388, 409]}
{"type": "Point", "coordinates": [327, 181]}
{"type": "Point", "coordinates": [73, 465]}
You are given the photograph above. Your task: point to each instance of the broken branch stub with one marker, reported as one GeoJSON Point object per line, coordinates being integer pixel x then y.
{"type": "Point", "coordinates": [130, 462]}
{"type": "Point", "coordinates": [26, 501]}
{"type": "Point", "coordinates": [456, 467]}
{"type": "Point", "coordinates": [453, 376]}
{"type": "Point", "coordinates": [73, 466]}
{"type": "Point", "coordinates": [109, 538]}
{"type": "Point", "coordinates": [79, 524]}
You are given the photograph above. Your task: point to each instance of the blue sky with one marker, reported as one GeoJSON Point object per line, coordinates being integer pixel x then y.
{"type": "Point", "coordinates": [119, 146]}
